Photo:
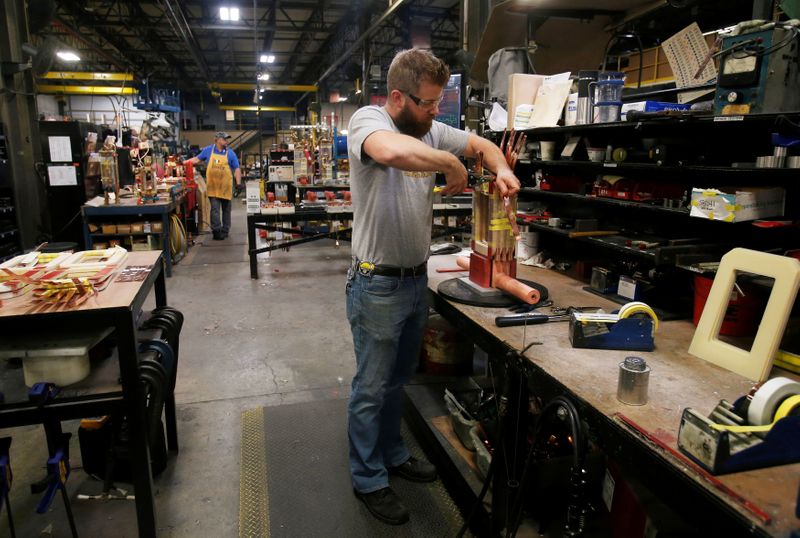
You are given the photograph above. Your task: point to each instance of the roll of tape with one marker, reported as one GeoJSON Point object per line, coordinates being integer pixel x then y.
{"type": "Point", "coordinates": [768, 397]}
{"type": "Point", "coordinates": [789, 404]}
{"type": "Point", "coordinates": [638, 307]}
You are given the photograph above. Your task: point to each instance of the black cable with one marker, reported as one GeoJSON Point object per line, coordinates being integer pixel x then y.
{"type": "Point", "coordinates": [577, 453]}
{"type": "Point", "coordinates": [488, 480]}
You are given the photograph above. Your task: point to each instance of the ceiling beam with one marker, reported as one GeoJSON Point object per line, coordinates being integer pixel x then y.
{"type": "Point", "coordinates": [81, 75]}
{"type": "Point", "coordinates": [254, 108]}
{"type": "Point", "coordinates": [309, 28]}
{"type": "Point", "coordinates": [244, 86]}
{"type": "Point", "coordinates": [84, 90]}
{"type": "Point", "coordinates": [177, 20]}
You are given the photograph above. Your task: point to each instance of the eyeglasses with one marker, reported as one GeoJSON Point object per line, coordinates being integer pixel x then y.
{"type": "Point", "coordinates": [426, 104]}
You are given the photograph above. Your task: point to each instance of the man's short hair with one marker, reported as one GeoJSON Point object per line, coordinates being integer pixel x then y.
{"type": "Point", "coordinates": [410, 67]}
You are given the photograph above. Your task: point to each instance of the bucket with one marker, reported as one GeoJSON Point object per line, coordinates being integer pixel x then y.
{"type": "Point", "coordinates": [743, 314]}
{"type": "Point", "coordinates": [445, 351]}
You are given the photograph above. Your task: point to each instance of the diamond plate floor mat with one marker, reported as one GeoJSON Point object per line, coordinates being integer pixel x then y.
{"type": "Point", "coordinates": [295, 479]}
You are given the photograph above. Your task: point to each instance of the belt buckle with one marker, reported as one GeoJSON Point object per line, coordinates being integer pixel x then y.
{"type": "Point", "coordinates": [366, 268]}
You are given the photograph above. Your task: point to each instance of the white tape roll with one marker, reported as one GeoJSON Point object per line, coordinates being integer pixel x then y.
{"type": "Point", "coordinates": [768, 397]}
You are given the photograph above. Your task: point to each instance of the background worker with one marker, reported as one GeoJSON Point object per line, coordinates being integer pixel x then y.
{"type": "Point", "coordinates": [395, 152]}
{"type": "Point", "coordinates": [222, 169]}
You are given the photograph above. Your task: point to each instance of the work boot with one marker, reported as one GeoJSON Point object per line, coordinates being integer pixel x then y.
{"type": "Point", "coordinates": [415, 470]}
{"type": "Point", "coordinates": [218, 236]}
{"type": "Point", "coordinates": [385, 505]}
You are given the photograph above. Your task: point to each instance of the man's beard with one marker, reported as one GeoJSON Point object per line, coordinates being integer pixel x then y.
{"type": "Point", "coordinates": [410, 126]}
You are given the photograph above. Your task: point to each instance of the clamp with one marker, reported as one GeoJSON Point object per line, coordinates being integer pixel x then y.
{"type": "Point", "coordinates": [6, 477]}
{"type": "Point", "coordinates": [58, 470]}
{"type": "Point", "coordinates": [41, 393]}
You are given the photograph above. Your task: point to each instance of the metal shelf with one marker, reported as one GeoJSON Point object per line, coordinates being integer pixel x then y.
{"type": "Point", "coordinates": [126, 234]}
{"type": "Point", "coordinates": [655, 125]}
{"type": "Point", "coordinates": [652, 168]}
{"type": "Point", "coordinates": [600, 200]}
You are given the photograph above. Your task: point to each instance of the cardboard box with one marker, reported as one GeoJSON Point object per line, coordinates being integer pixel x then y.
{"type": "Point", "coordinates": [522, 90]}
{"type": "Point", "coordinates": [137, 227]}
{"type": "Point", "coordinates": [651, 106]}
{"type": "Point", "coordinates": [109, 228]}
{"type": "Point", "coordinates": [123, 228]}
{"type": "Point", "coordinates": [281, 173]}
{"type": "Point", "coordinates": [253, 190]}
{"type": "Point", "coordinates": [738, 204]}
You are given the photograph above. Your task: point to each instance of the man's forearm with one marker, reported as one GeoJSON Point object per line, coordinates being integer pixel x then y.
{"type": "Point", "coordinates": [238, 175]}
{"type": "Point", "coordinates": [407, 153]}
{"type": "Point", "coordinates": [493, 158]}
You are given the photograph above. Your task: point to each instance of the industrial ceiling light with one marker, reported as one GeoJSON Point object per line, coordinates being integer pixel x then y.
{"type": "Point", "coordinates": [263, 76]}
{"type": "Point", "coordinates": [68, 56]}
{"type": "Point", "coordinates": [229, 13]}
{"type": "Point", "coordinates": [267, 58]}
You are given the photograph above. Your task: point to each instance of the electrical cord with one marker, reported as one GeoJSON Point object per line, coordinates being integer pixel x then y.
{"type": "Point", "coordinates": [490, 471]}
{"type": "Point", "coordinates": [177, 235]}
{"type": "Point", "coordinates": [578, 454]}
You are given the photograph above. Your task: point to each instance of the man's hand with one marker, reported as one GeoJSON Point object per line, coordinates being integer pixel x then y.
{"type": "Point", "coordinates": [456, 177]}
{"type": "Point", "coordinates": [507, 182]}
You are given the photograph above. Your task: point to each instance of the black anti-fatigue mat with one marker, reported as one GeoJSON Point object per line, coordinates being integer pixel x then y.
{"type": "Point", "coordinates": [308, 490]}
{"type": "Point", "coordinates": [220, 252]}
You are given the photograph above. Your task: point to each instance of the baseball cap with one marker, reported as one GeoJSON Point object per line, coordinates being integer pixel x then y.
{"type": "Point", "coordinates": [221, 134]}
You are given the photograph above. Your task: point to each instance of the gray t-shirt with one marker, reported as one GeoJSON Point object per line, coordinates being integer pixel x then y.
{"type": "Point", "coordinates": [393, 209]}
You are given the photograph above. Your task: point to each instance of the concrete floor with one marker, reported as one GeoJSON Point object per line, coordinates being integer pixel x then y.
{"type": "Point", "coordinates": [283, 338]}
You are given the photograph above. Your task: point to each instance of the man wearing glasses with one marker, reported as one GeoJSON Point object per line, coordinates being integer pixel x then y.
{"type": "Point", "coordinates": [395, 152]}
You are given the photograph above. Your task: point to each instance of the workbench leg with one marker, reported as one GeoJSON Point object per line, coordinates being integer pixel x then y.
{"type": "Point", "coordinates": [87, 236]}
{"type": "Point", "coordinates": [161, 286]}
{"type": "Point", "coordinates": [135, 409]}
{"type": "Point", "coordinates": [251, 244]}
{"type": "Point", "coordinates": [512, 448]}
{"type": "Point", "coordinates": [165, 225]}
{"type": "Point", "coordinates": [171, 422]}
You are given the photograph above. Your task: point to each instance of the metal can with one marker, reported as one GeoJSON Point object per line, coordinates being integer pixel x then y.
{"type": "Point", "coordinates": [634, 379]}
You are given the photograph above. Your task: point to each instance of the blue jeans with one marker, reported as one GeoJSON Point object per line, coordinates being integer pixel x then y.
{"type": "Point", "coordinates": [220, 205]}
{"type": "Point", "coordinates": [387, 317]}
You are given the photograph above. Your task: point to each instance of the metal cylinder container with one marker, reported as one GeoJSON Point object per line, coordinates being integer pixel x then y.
{"type": "Point", "coordinates": [634, 379]}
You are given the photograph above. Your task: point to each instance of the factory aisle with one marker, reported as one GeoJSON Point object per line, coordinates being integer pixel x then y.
{"type": "Point", "coordinates": [245, 344]}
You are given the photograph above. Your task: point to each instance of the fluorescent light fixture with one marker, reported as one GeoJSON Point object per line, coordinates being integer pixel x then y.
{"type": "Point", "coordinates": [267, 58]}
{"type": "Point", "coordinates": [342, 99]}
{"type": "Point", "coordinates": [68, 56]}
{"type": "Point", "coordinates": [262, 90]}
{"type": "Point", "coordinates": [229, 13]}
{"type": "Point", "coordinates": [263, 76]}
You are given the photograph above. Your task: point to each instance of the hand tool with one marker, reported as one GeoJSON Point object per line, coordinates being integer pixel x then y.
{"type": "Point", "coordinates": [536, 318]}
{"type": "Point", "coordinates": [6, 478]}
{"type": "Point", "coordinates": [58, 470]}
{"type": "Point", "coordinates": [522, 308]}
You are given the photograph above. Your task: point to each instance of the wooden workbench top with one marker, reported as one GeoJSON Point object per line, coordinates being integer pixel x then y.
{"type": "Point", "coordinates": [116, 295]}
{"type": "Point", "coordinates": [677, 380]}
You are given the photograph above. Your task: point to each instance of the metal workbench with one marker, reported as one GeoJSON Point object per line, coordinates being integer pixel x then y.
{"type": "Point", "coordinates": [107, 390]}
{"type": "Point", "coordinates": [641, 439]}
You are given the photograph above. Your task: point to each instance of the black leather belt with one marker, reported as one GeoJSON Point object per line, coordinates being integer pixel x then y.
{"type": "Point", "coordinates": [388, 270]}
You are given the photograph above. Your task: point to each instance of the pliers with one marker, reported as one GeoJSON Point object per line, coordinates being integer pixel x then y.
{"type": "Point", "coordinates": [535, 318]}
{"type": "Point", "coordinates": [523, 308]}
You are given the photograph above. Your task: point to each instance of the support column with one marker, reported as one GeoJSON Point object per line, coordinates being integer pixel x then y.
{"type": "Point", "coordinates": [19, 116]}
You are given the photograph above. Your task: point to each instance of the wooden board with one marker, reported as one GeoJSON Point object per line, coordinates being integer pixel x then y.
{"type": "Point", "coordinates": [678, 380]}
{"type": "Point", "coordinates": [116, 295]}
